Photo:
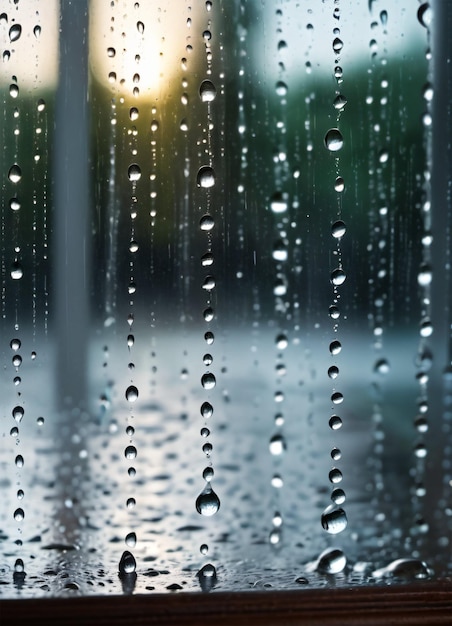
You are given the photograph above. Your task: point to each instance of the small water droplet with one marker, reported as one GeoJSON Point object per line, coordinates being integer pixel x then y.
{"type": "Point", "coordinates": [140, 27]}
{"type": "Point", "coordinates": [208, 474]}
{"type": "Point", "coordinates": [338, 44]}
{"type": "Point", "coordinates": [16, 271]}
{"type": "Point", "coordinates": [127, 563]}
{"type": "Point", "coordinates": [15, 32]}
{"type": "Point", "coordinates": [208, 380]}
{"type": "Point", "coordinates": [425, 275]}
{"type": "Point", "coordinates": [131, 393]}
{"type": "Point", "coordinates": [134, 172]}
{"type": "Point", "coordinates": [282, 342]}
{"type": "Point", "coordinates": [17, 360]}
{"type": "Point", "coordinates": [207, 503]}
{"type": "Point", "coordinates": [37, 31]}
{"type": "Point", "coordinates": [209, 337]}
{"type": "Point", "coordinates": [335, 422]}
{"type": "Point", "coordinates": [335, 475]}
{"type": "Point", "coordinates": [111, 52]}
{"type": "Point", "coordinates": [19, 567]}
{"type": "Point", "coordinates": [382, 366]}
{"type": "Point", "coordinates": [19, 460]}
{"type": "Point", "coordinates": [334, 519]}
{"type": "Point", "coordinates": [339, 102]}
{"type": "Point", "coordinates": [281, 88]}
{"type": "Point", "coordinates": [13, 90]}
{"type": "Point", "coordinates": [208, 314]}
{"type": "Point", "coordinates": [333, 372]}
{"type": "Point", "coordinates": [15, 344]}
{"type": "Point", "coordinates": [15, 173]}
{"type": "Point", "coordinates": [205, 177]}
{"type": "Point", "coordinates": [337, 397]}
{"type": "Point", "coordinates": [334, 140]}
{"type": "Point", "coordinates": [338, 496]}
{"type": "Point", "coordinates": [18, 413]}
{"type": "Point", "coordinates": [339, 184]}
{"type": "Point", "coordinates": [204, 548]}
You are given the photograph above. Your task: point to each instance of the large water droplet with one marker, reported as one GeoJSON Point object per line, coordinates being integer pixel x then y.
{"type": "Point", "coordinates": [205, 177]}
{"type": "Point", "coordinates": [15, 173]}
{"type": "Point", "coordinates": [207, 91]}
{"type": "Point", "coordinates": [338, 44]}
{"type": "Point", "coordinates": [15, 32]}
{"type": "Point", "coordinates": [131, 393]}
{"type": "Point", "coordinates": [338, 277]}
{"type": "Point", "coordinates": [334, 519]}
{"type": "Point", "coordinates": [127, 563]}
{"type": "Point", "coordinates": [131, 540]}
{"type": "Point", "coordinates": [134, 172]}
{"type": "Point", "coordinates": [206, 410]}
{"type": "Point", "coordinates": [338, 229]}
{"type": "Point", "coordinates": [425, 14]}
{"type": "Point", "coordinates": [18, 413]}
{"type": "Point", "coordinates": [279, 202]}
{"type": "Point", "coordinates": [208, 381]}
{"type": "Point", "coordinates": [334, 140]}
{"type": "Point", "coordinates": [277, 444]}
{"type": "Point", "coordinates": [130, 452]}
{"type": "Point", "coordinates": [207, 577]}
{"type": "Point", "coordinates": [331, 561]}
{"type": "Point", "coordinates": [207, 503]}
{"type": "Point", "coordinates": [404, 568]}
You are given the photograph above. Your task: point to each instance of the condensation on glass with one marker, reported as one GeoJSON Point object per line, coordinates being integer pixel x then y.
{"type": "Point", "coordinates": [225, 297]}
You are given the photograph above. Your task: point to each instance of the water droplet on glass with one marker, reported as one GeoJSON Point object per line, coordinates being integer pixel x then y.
{"type": "Point", "coordinates": [206, 222]}
{"type": "Point", "coordinates": [19, 515]}
{"type": "Point", "coordinates": [37, 31]}
{"type": "Point", "coordinates": [333, 372]}
{"type": "Point", "coordinates": [335, 475]}
{"type": "Point", "coordinates": [207, 503]}
{"type": "Point", "coordinates": [339, 184]}
{"type": "Point", "coordinates": [15, 344]}
{"type": "Point", "coordinates": [339, 102]}
{"type": "Point", "coordinates": [208, 381]}
{"type": "Point", "coordinates": [206, 410]}
{"type": "Point", "coordinates": [18, 413]}
{"type": "Point", "coordinates": [338, 496]}
{"type": "Point", "coordinates": [277, 444]}
{"type": "Point", "coordinates": [335, 347]}
{"type": "Point", "coordinates": [382, 366]}
{"type": "Point", "coordinates": [281, 88]}
{"type": "Point", "coordinates": [424, 277]}
{"type": "Point", "coordinates": [140, 27]}
{"type": "Point", "coordinates": [127, 563]}
{"type": "Point", "coordinates": [16, 271]}
{"type": "Point", "coordinates": [207, 259]}
{"type": "Point", "coordinates": [333, 140]}
{"type": "Point", "coordinates": [280, 251]}
{"type": "Point", "coordinates": [337, 397]}
{"type": "Point", "coordinates": [131, 540]}
{"type": "Point", "coordinates": [338, 229]}
{"type": "Point", "coordinates": [338, 44]}
{"type": "Point", "coordinates": [13, 90]}
{"type": "Point", "coordinates": [15, 32]}
{"type": "Point", "coordinates": [281, 342]}
{"type": "Point", "coordinates": [279, 202]}
{"type": "Point", "coordinates": [131, 393]}
{"type": "Point", "coordinates": [208, 474]}
{"type": "Point", "coordinates": [331, 561]}
{"type": "Point", "coordinates": [205, 177]}
{"type": "Point", "coordinates": [14, 204]}
{"type": "Point", "coordinates": [425, 14]}
{"type": "Point", "coordinates": [208, 314]}
{"type": "Point", "coordinates": [15, 173]}
{"type": "Point", "coordinates": [209, 337]}
{"type": "Point", "coordinates": [134, 172]}
{"type": "Point", "coordinates": [334, 519]}
{"type": "Point", "coordinates": [207, 91]}
{"type": "Point", "coordinates": [130, 452]}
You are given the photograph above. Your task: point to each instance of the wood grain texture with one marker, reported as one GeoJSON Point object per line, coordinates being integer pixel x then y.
{"type": "Point", "coordinates": [426, 604]}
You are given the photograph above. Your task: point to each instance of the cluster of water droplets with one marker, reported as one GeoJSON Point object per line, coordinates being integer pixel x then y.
{"type": "Point", "coordinates": [207, 503]}
{"type": "Point", "coordinates": [334, 518]}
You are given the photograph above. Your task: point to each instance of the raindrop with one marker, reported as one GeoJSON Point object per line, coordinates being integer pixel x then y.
{"type": "Point", "coordinates": [338, 229]}
{"type": "Point", "coordinates": [134, 115]}
{"type": "Point", "coordinates": [277, 444]}
{"type": "Point", "coordinates": [208, 474]}
{"type": "Point", "coordinates": [16, 271]}
{"type": "Point", "coordinates": [206, 222]}
{"type": "Point", "coordinates": [207, 259]}
{"type": "Point", "coordinates": [335, 475]}
{"type": "Point", "coordinates": [281, 88]}
{"type": "Point", "coordinates": [13, 90]}
{"type": "Point", "coordinates": [338, 496]}
{"type": "Point", "coordinates": [207, 359]}
{"type": "Point", "coordinates": [407, 569]}
{"type": "Point", "coordinates": [18, 413]}
{"type": "Point", "coordinates": [333, 372]}
{"type": "Point", "coordinates": [37, 31]}
{"type": "Point", "coordinates": [209, 337]}
{"type": "Point", "coordinates": [425, 15]}
{"type": "Point", "coordinates": [131, 393]}
{"type": "Point", "coordinates": [204, 548]}
{"type": "Point", "coordinates": [382, 366]}
{"type": "Point", "coordinates": [111, 52]}
{"type": "Point", "coordinates": [15, 344]}
{"type": "Point", "coordinates": [337, 398]}
{"type": "Point", "coordinates": [279, 202]}
{"type": "Point", "coordinates": [19, 515]}
{"type": "Point", "coordinates": [334, 313]}
{"type": "Point", "coordinates": [424, 277]}
{"type": "Point", "coordinates": [339, 184]}
{"type": "Point", "coordinates": [331, 561]}
{"type": "Point", "coordinates": [335, 347]}
{"type": "Point", "coordinates": [131, 540]}
{"type": "Point", "coordinates": [207, 577]}
{"type": "Point", "coordinates": [339, 102]}
{"type": "Point", "coordinates": [19, 567]}
{"type": "Point", "coordinates": [15, 173]}
{"type": "Point", "coordinates": [334, 519]}
{"type": "Point", "coordinates": [208, 381]}
{"type": "Point", "coordinates": [17, 360]}
{"type": "Point", "coordinates": [334, 140]}
{"type": "Point", "coordinates": [140, 27]}
{"type": "Point", "coordinates": [338, 44]}
{"type": "Point", "coordinates": [280, 251]}
{"type": "Point", "coordinates": [208, 314]}
{"type": "Point", "coordinates": [207, 91]}
{"type": "Point", "coordinates": [127, 563]}
{"type": "Point", "coordinates": [130, 452]}
{"type": "Point", "coordinates": [14, 204]}
{"type": "Point", "coordinates": [338, 277]}
{"type": "Point", "coordinates": [206, 410]}
{"type": "Point", "coordinates": [281, 342]}
{"type": "Point", "coordinates": [205, 177]}
{"type": "Point", "coordinates": [134, 172]}
{"type": "Point", "coordinates": [130, 503]}
{"type": "Point", "coordinates": [207, 503]}
{"type": "Point", "coordinates": [15, 32]}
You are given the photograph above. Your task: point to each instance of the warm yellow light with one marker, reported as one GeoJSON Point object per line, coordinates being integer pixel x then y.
{"type": "Point", "coordinates": [29, 43]}
{"type": "Point", "coordinates": [135, 47]}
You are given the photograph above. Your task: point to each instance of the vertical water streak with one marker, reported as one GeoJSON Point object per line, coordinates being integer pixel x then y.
{"type": "Point", "coordinates": [71, 175]}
